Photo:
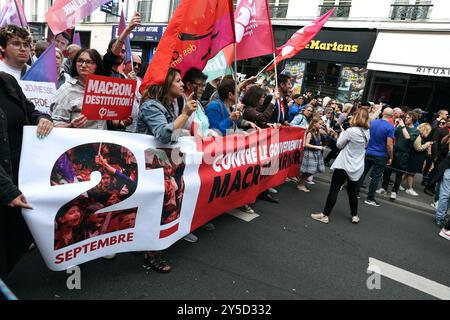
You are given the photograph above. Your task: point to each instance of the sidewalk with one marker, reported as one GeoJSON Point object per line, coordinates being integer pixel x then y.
{"type": "Point", "coordinates": [421, 202]}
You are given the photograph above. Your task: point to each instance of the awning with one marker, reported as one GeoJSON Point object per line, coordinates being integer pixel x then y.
{"type": "Point", "coordinates": [422, 53]}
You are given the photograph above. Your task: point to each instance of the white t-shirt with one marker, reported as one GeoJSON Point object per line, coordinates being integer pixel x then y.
{"type": "Point", "coordinates": [15, 72]}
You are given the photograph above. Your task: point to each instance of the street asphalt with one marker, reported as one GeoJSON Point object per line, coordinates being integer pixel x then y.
{"type": "Point", "coordinates": [281, 255]}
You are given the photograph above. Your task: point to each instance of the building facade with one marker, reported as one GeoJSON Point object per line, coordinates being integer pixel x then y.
{"type": "Point", "coordinates": [385, 49]}
{"type": "Point", "coordinates": [406, 42]}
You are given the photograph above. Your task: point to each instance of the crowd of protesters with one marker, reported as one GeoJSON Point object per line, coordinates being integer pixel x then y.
{"type": "Point", "coordinates": [360, 137]}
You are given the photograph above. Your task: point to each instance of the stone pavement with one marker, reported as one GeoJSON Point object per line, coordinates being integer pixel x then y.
{"type": "Point", "coordinates": [421, 202]}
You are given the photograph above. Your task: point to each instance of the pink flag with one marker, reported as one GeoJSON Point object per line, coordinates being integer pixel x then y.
{"type": "Point", "coordinates": [65, 14]}
{"type": "Point", "coordinates": [254, 35]}
{"type": "Point", "coordinates": [12, 13]}
{"type": "Point", "coordinates": [301, 38]}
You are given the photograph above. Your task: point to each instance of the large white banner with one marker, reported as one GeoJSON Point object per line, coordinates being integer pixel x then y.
{"type": "Point", "coordinates": [98, 192]}
{"type": "Point", "coordinates": [118, 176]}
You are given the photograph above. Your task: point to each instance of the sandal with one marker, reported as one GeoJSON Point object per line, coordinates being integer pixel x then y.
{"type": "Point", "coordinates": [157, 263]}
{"type": "Point", "coordinates": [304, 189]}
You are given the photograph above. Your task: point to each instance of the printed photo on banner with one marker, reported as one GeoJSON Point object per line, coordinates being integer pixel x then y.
{"type": "Point", "coordinates": [107, 98]}
{"type": "Point", "coordinates": [79, 219]}
{"type": "Point", "coordinates": [173, 179]}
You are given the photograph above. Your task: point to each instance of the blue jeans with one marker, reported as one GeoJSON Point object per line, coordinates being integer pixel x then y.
{"type": "Point", "coordinates": [378, 164]}
{"type": "Point", "coordinates": [444, 197]}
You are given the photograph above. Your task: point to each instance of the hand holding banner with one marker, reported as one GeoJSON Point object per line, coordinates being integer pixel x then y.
{"type": "Point", "coordinates": [107, 98]}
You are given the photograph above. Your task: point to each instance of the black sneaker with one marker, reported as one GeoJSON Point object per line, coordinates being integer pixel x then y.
{"type": "Point", "coordinates": [372, 203]}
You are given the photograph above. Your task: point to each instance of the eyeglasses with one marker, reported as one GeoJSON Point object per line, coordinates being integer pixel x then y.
{"type": "Point", "coordinates": [18, 44]}
{"type": "Point", "coordinates": [88, 62]}
{"type": "Point", "coordinates": [137, 64]}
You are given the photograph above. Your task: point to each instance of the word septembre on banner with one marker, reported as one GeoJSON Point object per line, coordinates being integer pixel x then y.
{"type": "Point", "coordinates": [105, 192]}
{"type": "Point", "coordinates": [107, 98]}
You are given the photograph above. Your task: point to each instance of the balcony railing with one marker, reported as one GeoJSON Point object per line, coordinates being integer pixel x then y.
{"type": "Point", "coordinates": [278, 11]}
{"type": "Point", "coordinates": [342, 11]}
{"type": "Point", "coordinates": [410, 11]}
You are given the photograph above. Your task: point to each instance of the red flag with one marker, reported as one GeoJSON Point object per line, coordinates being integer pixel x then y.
{"type": "Point", "coordinates": [198, 30]}
{"type": "Point", "coordinates": [65, 14]}
{"type": "Point", "coordinates": [301, 38]}
{"type": "Point", "coordinates": [254, 35]}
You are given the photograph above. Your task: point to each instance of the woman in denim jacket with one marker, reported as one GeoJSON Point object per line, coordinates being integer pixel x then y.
{"type": "Point", "coordinates": [158, 117]}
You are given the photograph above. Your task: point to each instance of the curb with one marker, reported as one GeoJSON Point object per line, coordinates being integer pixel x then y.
{"type": "Point", "coordinates": [403, 201]}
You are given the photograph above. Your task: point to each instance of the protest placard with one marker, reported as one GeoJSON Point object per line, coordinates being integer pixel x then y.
{"type": "Point", "coordinates": [41, 94]}
{"type": "Point", "coordinates": [107, 98]}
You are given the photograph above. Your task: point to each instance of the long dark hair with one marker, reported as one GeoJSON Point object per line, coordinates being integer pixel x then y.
{"type": "Point", "coordinates": [94, 55]}
{"type": "Point", "coordinates": [161, 92]}
{"type": "Point", "coordinates": [251, 98]}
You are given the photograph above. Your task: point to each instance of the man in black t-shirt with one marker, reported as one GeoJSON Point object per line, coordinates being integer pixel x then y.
{"type": "Point", "coordinates": [115, 54]}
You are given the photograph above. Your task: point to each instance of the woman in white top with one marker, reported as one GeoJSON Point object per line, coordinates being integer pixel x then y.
{"type": "Point", "coordinates": [349, 165]}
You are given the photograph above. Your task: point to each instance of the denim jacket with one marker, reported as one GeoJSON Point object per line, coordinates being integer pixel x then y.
{"type": "Point", "coordinates": [154, 119]}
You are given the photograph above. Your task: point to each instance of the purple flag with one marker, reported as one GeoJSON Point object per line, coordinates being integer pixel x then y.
{"type": "Point", "coordinates": [76, 39]}
{"type": "Point", "coordinates": [122, 27]}
{"type": "Point", "coordinates": [12, 13]}
{"type": "Point", "coordinates": [44, 69]}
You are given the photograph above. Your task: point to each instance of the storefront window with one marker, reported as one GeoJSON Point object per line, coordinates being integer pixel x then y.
{"type": "Point", "coordinates": [296, 69]}
{"type": "Point", "coordinates": [352, 81]}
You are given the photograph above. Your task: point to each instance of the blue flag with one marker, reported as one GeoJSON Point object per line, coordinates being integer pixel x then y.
{"type": "Point", "coordinates": [44, 69]}
{"type": "Point", "coordinates": [76, 39]}
{"type": "Point", "coordinates": [122, 27]}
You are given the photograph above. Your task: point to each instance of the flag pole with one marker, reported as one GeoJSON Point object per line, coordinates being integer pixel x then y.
{"type": "Point", "coordinates": [236, 83]}
{"type": "Point", "coordinates": [276, 73]}
{"type": "Point", "coordinates": [263, 69]}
